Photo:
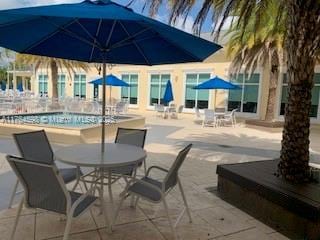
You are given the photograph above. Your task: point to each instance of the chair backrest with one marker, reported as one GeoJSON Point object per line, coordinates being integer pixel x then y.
{"type": "Point", "coordinates": [209, 114]}
{"type": "Point", "coordinates": [233, 112]}
{"type": "Point", "coordinates": [130, 136]}
{"type": "Point", "coordinates": [43, 186]}
{"type": "Point", "coordinates": [197, 111]}
{"type": "Point", "coordinates": [172, 177]}
{"type": "Point", "coordinates": [220, 110]}
{"type": "Point", "coordinates": [180, 109]}
{"type": "Point", "coordinates": [34, 146]}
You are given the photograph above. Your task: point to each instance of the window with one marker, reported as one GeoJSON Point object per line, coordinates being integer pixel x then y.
{"type": "Point", "coordinates": [157, 87]}
{"type": "Point", "coordinates": [80, 85]}
{"type": "Point", "coordinates": [43, 84]}
{"type": "Point", "coordinates": [61, 85]}
{"type": "Point", "coordinates": [196, 98]}
{"type": "Point", "coordinates": [130, 93]}
{"type": "Point", "coordinates": [315, 95]}
{"type": "Point", "coordinates": [246, 99]}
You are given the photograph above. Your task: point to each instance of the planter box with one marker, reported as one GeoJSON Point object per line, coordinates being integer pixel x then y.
{"type": "Point", "coordinates": [293, 209]}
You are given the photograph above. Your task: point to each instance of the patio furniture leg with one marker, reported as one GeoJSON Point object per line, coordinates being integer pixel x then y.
{"type": "Point", "coordinates": [185, 201]}
{"type": "Point", "coordinates": [169, 219]}
{"type": "Point", "coordinates": [132, 196]}
{"type": "Point", "coordinates": [68, 226]}
{"type": "Point", "coordinates": [17, 219]}
{"type": "Point", "coordinates": [116, 214]}
{"type": "Point", "coordinates": [110, 189]}
{"type": "Point", "coordinates": [13, 194]}
{"type": "Point", "coordinates": [136, 203]}
{"type": "Point", "coordinates": [104, 211]}
{"type": "Point", "coordinates": [78, 179]}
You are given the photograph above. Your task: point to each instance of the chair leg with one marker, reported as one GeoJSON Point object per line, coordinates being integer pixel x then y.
{"type": "Point", "coordinates": [104, 211]}
{"type": "Point", "coordinates": [13, 194]}
{"type": "Point", "coordinates": [17, 219]}
{"type": "Point", "coordinates": [145, 166]}
{"type": "Point", "coordinates": [118, 209]}
{"type": "Point", "coordinates": [185, 201]}
{"type": "Point", "coordinates": [136, 202]}
{"type": "Point", "coordinates": [169, 219]}
{"type": "Point", "coordinates": [68, 226]}
{"type": "Point", "coordinates": [110, 188]}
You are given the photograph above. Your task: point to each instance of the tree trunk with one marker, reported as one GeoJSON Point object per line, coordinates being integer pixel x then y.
{"type": "Point", "coordinates": [272, 95]}
{"type": "Point", "coordinates": [54, 78]}
{"type": "Point", "coordinates": [54, 82]}
{"type": "Point", "coordinates": [301, 45]}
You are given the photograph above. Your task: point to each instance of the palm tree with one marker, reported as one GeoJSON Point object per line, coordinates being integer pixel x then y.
{"type": "Point", "coordinates": [264, 47]}
{"type": "Point", "coordinates": [53, 64]}
{"type": "Point", "coordinates": [302, 44]}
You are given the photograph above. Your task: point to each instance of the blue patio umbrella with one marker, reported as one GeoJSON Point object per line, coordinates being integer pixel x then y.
{"type": "Point", "coordinates": [217, 83]}
{"type": "Point", "coordinates": [111, 80]}
{"type": "Point", "coordinates": [20, 87]}
{"type": "Point", "coordinates": [99, 31]}
{"type": "Point", "coordinates": [168, 94]}
{"type": "Point", "coordinates": [3, 86]}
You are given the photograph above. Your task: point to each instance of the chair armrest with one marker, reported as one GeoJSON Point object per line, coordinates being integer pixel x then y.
{"type": "Point", "coordinates": [156, 167]}
{"type": "Point", "coordinates": [149, 185]}
{"type": "Point", "coordinates": [83, 197]}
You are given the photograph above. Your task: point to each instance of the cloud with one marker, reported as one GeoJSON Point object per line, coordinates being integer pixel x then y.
{"type": "Point", "coordinates": [227, 23]}
{"type": "Point", "coordinates": [185, 26]}
{"type": "Point", "coordinates": [7, 4]}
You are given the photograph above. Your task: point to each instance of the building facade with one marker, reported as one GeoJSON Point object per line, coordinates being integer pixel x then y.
{"type": "Point", "coordinates": [148, 85]}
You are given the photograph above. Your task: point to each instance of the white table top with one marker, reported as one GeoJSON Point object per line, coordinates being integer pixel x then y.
{"type": "Point", "coordinates": [89, 155]}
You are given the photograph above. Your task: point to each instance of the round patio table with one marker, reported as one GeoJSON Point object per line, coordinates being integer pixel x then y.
{"type": "Point", "coordinates": [90, 155]}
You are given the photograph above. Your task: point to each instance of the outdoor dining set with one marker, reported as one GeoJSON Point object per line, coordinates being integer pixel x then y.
{"type": "Point", "coordinates": [121, 159]}
{"type": "Point", "coordinates": [216, 117]}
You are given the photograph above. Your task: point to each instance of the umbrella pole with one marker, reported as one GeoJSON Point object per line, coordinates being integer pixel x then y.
{"type": "Point", "coordinates": [103, 125]}
{"type": "Point", "coordinates": [110, 97]}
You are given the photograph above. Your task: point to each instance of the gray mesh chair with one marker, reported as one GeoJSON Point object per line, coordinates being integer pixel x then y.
{"type": "Point", "coordinates": [156, 191]}
{"type": "Point", "coordinates": [135, 137]}
{"type": "Point", "coordinates": [46, 190]}
{"type": "Point", "coordinates": [35, 146]}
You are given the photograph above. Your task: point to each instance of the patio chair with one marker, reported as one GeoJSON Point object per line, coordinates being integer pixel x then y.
{"type": "Point", "coordinates": [156, 191]}
{"type": "Point", "coordinates": [209, 118]}
{"type": "Point", "coordinates": [160, 110]}
{"type": "Point", "coordinates": [35, 146]}
{"type": "Point", "coordinates": [46, 190]}
{"type": "Point", "coordinates": [231, 118]}
{"type": "Point", "coordinates": [198, 114]}
{"type": "Point", "coordinates": [135, 137]}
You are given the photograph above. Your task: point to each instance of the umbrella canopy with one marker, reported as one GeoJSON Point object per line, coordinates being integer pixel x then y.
{"type": "Point", "coordinates": [99, 31]}
{"type": "Point", "coordinates": [168, 94]}
{"type": "Point", "coordinates": [111, 80]}
{"type": "Point", "coordinates": [20, 87]}
{"type": "Point", "coordinates": [217, 83]}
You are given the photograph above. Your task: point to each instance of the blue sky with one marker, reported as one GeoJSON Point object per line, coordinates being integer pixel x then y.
{"type": "Point", "coordinates": [162, 15]}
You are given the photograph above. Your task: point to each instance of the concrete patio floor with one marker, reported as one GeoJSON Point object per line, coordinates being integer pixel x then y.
{"type": "Point", "coordinates": [213, 218]}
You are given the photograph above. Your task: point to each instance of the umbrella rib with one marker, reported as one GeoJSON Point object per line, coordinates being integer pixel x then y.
{"type": "Point", "coordinates": [71, 34]}
{"type": "Point", "coordinates": [46, 37]}
{"type": "Point", "coordinates": [88, 33]}
{"type": "Point", "coordinates": [128, 38]}
{"type": "Point", "coordinates": [95, 40]}
{"type": "Point", "coordinates": [136, 44]}
{"type": "Point", "coordinates": [110, 34]}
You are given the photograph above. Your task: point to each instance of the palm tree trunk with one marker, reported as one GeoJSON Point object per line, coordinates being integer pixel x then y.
{"type": "Point", "coordinates": [54, 78]}
{"type": "Point", "coordinates": [272, 95]}
{"type": "Point", "coordinates": [301, 45]}
{"type": "Point", "coordinates": [54, 82]}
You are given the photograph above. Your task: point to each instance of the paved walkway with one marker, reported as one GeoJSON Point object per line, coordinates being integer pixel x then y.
{"type": "Point", "coordinates": [212, 217]}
